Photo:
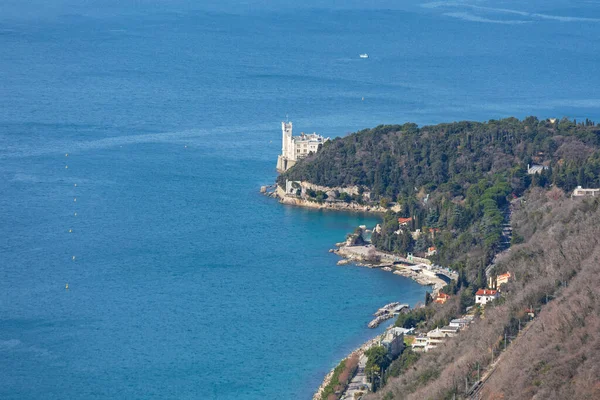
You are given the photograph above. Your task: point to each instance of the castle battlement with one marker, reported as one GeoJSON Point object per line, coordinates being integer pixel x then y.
{"type": "Point", "coordinates": [294, 148]}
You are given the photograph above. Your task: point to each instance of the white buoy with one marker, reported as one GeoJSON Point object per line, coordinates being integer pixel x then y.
{"type": "Point", "coordinates": [75, 214]}
{"type": "Point", "coordinates": [66, 154]}
{"type": "Point", "coordinates": [73, 258]}
{"type": "Point", "coordinates": [67, 286]}
{"type": "Point", "coordinates": [75, 185]}
{"type": "Point", "coordinates": [66, 166]}
{"type": "Point", "coordinates": [70, 230]}
{"type": "Point", "coordinates": [75, 199]}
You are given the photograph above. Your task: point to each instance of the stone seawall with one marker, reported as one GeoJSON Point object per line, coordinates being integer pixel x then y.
{"type": "Point", "coordinates": [350, 190]}
{"type": "Point", "coordinates": [329, 205]}
{"type": "Point", "coordinates": [303, 201]}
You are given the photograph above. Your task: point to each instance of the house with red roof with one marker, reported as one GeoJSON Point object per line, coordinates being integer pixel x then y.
{"type": "Point", "coordinates": [484, 296]}
{"type": "Point", "coordinates": [404, 221]}
{"type": "Point", "coordinates": [441, 298]}
{"type": "Point", "coordinates": [530, 312]}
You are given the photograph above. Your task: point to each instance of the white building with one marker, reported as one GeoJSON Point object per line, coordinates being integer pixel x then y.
{"type": "Point", "coordinates": [579, 192]}
{"type": "Point", "coordinates": [484, 296]}
{"type": "Point", "coordinates": [535, 169]}
{"type": "Point", "coordinates": [294, 148]}
{"type": "Point", "coordinates": [459, 323]}
{"type": "Point", "coordinates": [421, 344]}
{"type": "Point", "coordinates": [434, 338]}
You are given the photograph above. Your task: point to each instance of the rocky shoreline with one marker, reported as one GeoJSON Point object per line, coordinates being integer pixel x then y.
{"type": "Point", "coordinates": [359, 255]}
{"type": "Point", "coordinates": [358, 352]}
{"type": "Point", "coordinates": [362, 255]}
{"type": "Point", "coordinates": [277, 192]}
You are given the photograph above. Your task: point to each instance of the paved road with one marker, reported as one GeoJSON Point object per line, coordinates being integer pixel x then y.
{"type": "Point", "coordinates": [359, 380]}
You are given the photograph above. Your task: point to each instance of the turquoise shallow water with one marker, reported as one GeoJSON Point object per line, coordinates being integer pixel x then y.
{"type": "Point", "coordinates": [187, 283]}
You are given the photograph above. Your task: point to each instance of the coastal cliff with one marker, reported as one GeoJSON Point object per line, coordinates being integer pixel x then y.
{"type": "Point", "coordinates": [309, 195]}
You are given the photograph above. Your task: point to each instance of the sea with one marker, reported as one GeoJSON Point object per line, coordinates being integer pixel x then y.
{"type": "Point", "coordinates": [134, 138]}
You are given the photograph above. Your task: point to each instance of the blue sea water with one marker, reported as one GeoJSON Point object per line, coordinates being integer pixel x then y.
{"type": "Point", "coordinates": [187, 283]}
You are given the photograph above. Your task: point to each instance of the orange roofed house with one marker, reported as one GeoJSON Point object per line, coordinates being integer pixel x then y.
{"type": "Point", "coordinates": [441, 298]}
{"type": "Point", "coordinates": [484, 296]}
{"type": "Point", "coordinates": [500, 280]}
{"type": "Point", "coordinates": [404, 221]}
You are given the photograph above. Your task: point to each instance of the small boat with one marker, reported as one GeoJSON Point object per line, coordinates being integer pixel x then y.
{"type": "Point", "coordinates": [364, 55]}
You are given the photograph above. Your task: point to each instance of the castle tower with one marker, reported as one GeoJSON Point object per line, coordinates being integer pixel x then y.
{"type": "Point", "coordinates": [287, 150]}
{"type": "Point", "coordinates": [296, 148]}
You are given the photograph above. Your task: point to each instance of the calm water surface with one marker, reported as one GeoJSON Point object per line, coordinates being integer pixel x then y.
{"type": "Point", "coordinates": [186, 282]}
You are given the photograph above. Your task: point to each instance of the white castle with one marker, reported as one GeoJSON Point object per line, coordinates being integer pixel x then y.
{"type": "Point", "coordinates": [294, 148]}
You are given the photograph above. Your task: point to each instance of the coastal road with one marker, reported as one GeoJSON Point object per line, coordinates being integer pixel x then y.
{"type": "Point", "coordinates": [359, 380]}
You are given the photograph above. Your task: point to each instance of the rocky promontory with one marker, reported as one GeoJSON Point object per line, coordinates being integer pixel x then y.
{"type": "Point", "coordinates": [306, 194]}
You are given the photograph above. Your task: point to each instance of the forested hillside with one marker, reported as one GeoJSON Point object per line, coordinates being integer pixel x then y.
{"type": "Point", "coordinates": [455, 180]}
{"type": "Point", "coordinates": [393, 160]}
{"type": "Point", "coordinates": [456, 186]}
{"type": "Point", "coordinates": [556, 273]}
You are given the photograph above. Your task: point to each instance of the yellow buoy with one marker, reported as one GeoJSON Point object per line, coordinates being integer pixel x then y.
{"type": "Point", "coordinates": [67, 286]}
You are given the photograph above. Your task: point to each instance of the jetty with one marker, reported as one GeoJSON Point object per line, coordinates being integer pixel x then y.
{"type": "Point", "coordinates": [386, 312]}
{"type": "Point", "coordinates": [386, 309]}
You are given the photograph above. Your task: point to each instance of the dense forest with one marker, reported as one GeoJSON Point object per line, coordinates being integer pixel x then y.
{"type": "Point", "coordinates": [555, 355]}
{"type": "Point", "coordinates": [455, 181]}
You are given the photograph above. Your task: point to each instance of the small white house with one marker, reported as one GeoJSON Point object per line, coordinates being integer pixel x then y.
{"type": "Point", "coordinates": [484, 296]}
{"type": "Point", "coordinates": [421, 344]}
{"type": "Point", "coordinates": [581, 192]}
{"type": "Point", "coordinates": [535, 169]}
{"type": "Point", "coordinates": [459, 323]}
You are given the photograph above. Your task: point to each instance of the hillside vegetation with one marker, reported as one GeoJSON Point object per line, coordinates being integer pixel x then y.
{"type": "Point", "coordinates": [455, 180]}
{"type": "Point", "coordinates": [456, 186]}
{"type": "Point", "coordinates": [391, 160]}
{"type": "Point", "coordinates": [557, 273]}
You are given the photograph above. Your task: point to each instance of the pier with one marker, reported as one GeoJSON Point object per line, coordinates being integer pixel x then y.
{"type": "Point", "coordinates": [386, 312]}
